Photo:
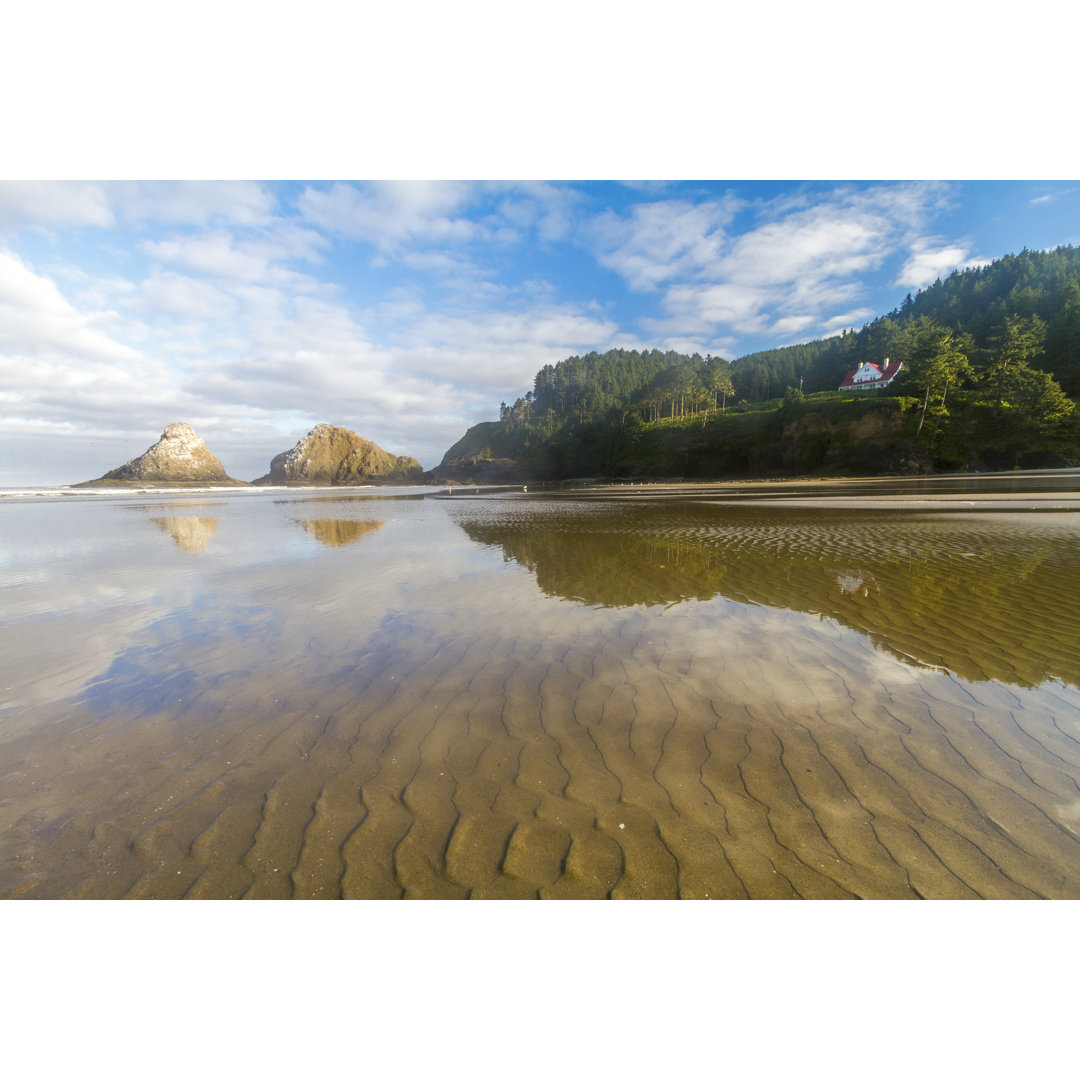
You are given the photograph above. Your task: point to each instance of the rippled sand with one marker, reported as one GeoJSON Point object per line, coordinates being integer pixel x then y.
{"type": "Point", "coordinates": [516, 697]}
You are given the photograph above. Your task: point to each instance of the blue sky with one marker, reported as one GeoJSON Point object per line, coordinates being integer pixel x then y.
{"type": "Point", "coordinates": [145, 278]}
{"type": "Point", "coordinates": [408, 310]}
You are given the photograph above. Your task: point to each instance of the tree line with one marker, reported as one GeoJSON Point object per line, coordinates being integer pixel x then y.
{"type": "Point", "coordinates": [1003, 339]}
{"type": "Point", "coordinates": [621, 382]}
{"type": "Point", "coordinates": [975, 304]}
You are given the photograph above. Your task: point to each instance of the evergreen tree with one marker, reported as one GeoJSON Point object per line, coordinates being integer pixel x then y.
{"type": "Point", "coordinates": [1018, 341]}
{"type": "Point", "coordinates": [935, 360]}
{"type": "Point", "coordinates": [716, 378]}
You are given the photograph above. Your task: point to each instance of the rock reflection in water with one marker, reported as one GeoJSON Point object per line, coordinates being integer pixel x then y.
{"type": "Point", "coordinates": [190, 533]}
{"type": "Point", "coordinates": [946, 591]}
{"type": "Point", "coordinates": [338, 532]}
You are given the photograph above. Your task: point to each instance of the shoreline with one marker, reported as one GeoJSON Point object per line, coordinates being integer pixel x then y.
{"type": "Point", "coordinates": [1061, 490]}
{"type": "Point", "coordinates": [1042, 486]}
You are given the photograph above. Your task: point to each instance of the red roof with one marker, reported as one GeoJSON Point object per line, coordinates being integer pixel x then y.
{"type": "Point", "coordinates": [885, 376]}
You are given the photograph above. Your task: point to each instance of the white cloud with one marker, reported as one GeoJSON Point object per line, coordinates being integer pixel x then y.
{"type": "Point", "coordinates": [793, 325]}
{"type": "Point", "coordinates": [814, 295]}
{"type": "Point", "coordinates": [440, 264]}
{"type": "Point", "coordinates": [37, 322]}
{"type": "Point", "coordinates": [662, 241]}
{"type": "Point", "coordinates": [687, 345]}
{"type": "Point", "coordinates": [849, 320]}
{"type": "Point", "coordinates": [733, 304]}
{"type": "Point", "coordinates": [58, 204]}
{"type": "Point", "coordinates": [65, 370]}
{"type": "Point", "coordinates": [78, 373]}
{"type": "Point", "coordinates": [1053, 196]}
{"type": "Point", "coordinates": [389, 215]}
{"type": "Point", "coordinates": [500, 351]}
{"type": "Point", "coordinates": [184, 297]}
{"type": "Point", "coordinates": [91, 291]}
{"type": "Point", "coordinates": [907, 205]}
{"type": "Point", "coordinates": [551, 210]}
{"type": "Point", "coordinates": [193, 202]}
{"type": "Point", "coordinates": [927, 262]}
{"type": "Point", "coordinates": [215, 254]}
{"type": "Point", "coordinates": [219, 254]}
{"type": "Point", "coordinates": [53, 204]}
{"type": "Point", "coordinates": [809, 254]}
{"type": "Point", "coordinates": [817, 244]}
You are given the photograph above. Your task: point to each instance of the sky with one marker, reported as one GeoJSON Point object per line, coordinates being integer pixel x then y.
{"type": "Point", "coordinates": [408, 310]}
{"type": "Point", "coordinates": [165, 254]}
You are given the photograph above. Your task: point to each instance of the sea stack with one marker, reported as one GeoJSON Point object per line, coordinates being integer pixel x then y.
{"type": "Point", "coordinates": [178, 457]}
{"type": "Point", "coordinates": [330, 455]}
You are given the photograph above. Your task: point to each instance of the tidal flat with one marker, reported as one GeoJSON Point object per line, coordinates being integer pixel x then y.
{"type": "Point", "coordinates": [823, 691]}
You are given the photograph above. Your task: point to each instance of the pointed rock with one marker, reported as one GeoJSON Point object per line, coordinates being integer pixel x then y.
{"type": "Point", "coordinates": [330, 455]}
{"type": "Point", "coordinates": [178, 457]}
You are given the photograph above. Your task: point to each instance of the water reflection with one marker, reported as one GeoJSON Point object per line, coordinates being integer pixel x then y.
{"type": "Point", "coordinates": [855, 582]}
{"type": "Point", "coordinates": [190, 533]}
{"type": "Point", "coordinates": [985, 596]}
{"type": "Point", "coordinates": [661, 717]}
{"type": "Point", "coordinates": [339, 532]}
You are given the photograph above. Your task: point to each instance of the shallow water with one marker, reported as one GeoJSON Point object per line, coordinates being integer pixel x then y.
{"type": "Point", "coordinates": [377, 695]}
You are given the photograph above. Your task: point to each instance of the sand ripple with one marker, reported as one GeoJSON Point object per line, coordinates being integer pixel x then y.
{"type": "Point", "coordinates": [497, 741]}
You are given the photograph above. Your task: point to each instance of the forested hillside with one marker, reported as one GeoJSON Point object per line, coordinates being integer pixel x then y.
{"type": "Point", "coordinates": [1039, 285]}
{"type": "Point", "coordinates": [991, 370]}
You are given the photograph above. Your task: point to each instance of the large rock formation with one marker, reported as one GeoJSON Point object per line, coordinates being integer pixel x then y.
{"type": "Point", "coordinates": [178, 457]}
{"type": "Point", "coordinates": [471, 460]}
{"type": "Point", "coordinates": [333, 455]}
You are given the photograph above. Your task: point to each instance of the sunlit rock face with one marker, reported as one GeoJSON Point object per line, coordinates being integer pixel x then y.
{"type": "Point", "coordinates": [179, 456]}
{"type": "Point", "coordinates": [336, 455]}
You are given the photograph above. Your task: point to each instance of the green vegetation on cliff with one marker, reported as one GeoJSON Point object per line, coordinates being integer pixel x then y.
{"type": "Point", "coordinates": [991, 368]}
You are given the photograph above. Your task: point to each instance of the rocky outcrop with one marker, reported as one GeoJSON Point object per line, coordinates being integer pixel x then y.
{"type": "Point", "coordinates": [330, 455]}
{"type": "Point", "coordinates": [178, 457]}
{"type": "Point", "coordinates": [471, 459]}
{"type": "Point", "coordinates": [474, 470]}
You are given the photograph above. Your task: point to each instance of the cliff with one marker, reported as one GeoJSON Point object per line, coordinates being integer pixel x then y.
{"type": "Point", "coordinates": [471, 459]}
{"type": "Point", "coordinates": [178, 457]}
{"type": "Point", "coordinates": [833, 435]}
{"type": "Point", "coordinates": [330, 455]}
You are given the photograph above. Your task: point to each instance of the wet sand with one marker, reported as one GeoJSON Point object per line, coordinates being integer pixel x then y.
{"type": "Point", "coordinates": [511, 696]}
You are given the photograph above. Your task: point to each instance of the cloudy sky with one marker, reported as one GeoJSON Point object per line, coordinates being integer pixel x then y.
{"type": "Point", "coordinates": [408, 310]}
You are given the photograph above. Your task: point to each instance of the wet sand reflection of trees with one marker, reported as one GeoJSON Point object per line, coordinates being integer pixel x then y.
{"type": "Point", "coordinates": [970, 594]}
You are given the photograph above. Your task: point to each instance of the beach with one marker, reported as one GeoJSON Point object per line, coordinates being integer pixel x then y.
{"type": "Point", "coordinates": [833, 689]}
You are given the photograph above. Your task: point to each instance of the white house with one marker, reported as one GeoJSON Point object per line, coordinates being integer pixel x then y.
{"type": "Point", "coordinates": [869, 376]}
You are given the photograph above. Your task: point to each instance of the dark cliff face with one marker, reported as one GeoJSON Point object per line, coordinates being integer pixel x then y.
{"type": "Point", "coordinates": [178, 457]}
{"type": "Point", "coordinates": [330, 455]}
{"type": "Point", "coordinates": [857, 436]}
